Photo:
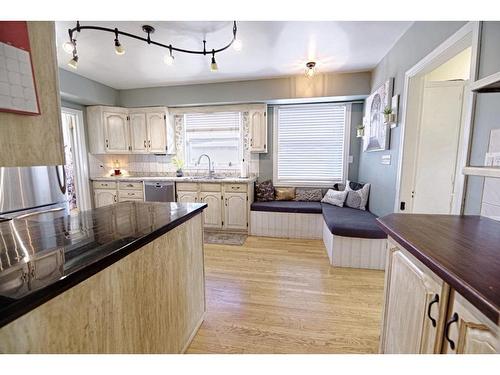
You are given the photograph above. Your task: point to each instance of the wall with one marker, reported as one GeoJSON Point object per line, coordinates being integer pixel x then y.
{"type": "Point", "coordinates": [487, 113]}
{"type": "Point", "coordinates": [420, 39]}
{"type": "Point", "coordinates": [458, 67]}
{"type": "Point", "coordinates": [266, 160]}
{"type": "Point", "coordinates": [36, 140]}
{"type": "Point", "coordinates": [262, 90]}
{"type": "Point", "coordinates": [81, 90]}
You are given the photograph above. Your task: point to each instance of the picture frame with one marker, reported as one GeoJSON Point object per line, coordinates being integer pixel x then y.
{"type": "Point", "coordinates": [377, 132]}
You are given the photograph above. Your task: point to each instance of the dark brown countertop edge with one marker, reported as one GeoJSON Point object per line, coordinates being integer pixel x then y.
{"type": "Point", "coordinates": [26, 304]}
{"type": "Point", "coordinates": [461, 286]}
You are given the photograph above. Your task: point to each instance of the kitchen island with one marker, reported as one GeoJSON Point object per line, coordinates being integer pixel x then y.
{"type": "Point", "coordinates": [125, 278]}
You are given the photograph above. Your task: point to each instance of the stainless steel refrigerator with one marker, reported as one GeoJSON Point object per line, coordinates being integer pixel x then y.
{"type": "Point", "coordinates": [32, 192]}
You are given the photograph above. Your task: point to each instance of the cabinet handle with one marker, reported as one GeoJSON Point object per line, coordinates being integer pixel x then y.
{"type": "Point", "coordinates": [434, 300]}
{"type": "Point", "coordinates": [149, 143]}
{"type": "Point", "coordinates": [107, 143]}
{"type": "Point", "coordinates": [104, 184]}
{"type": "Point", "coordinates": [453, 319]}
{"type": "Point", "coordinates": [114, 198]}
{"type": "Point", "coordinates": [235, 187]}
{"type": "Point", "coordinates": [251, 142]}
{"type": "Point", "coordinates": [145, 145]}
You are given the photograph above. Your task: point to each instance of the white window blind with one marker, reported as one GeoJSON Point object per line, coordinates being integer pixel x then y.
{"type": "Point", "coordinates": [310, 147]}
{"type": "Point", "coordinates": [216, 134]}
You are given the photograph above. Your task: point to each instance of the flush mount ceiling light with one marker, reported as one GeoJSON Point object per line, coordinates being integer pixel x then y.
{"type": "Point", "coordinates": [310, 69]}
{"type": "Point", "coordinates": [70, 46]}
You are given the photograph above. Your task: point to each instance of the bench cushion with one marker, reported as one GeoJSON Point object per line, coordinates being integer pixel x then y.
{"type": "Point", "coordinates": [288, 206]}
{"type": "Point", "coordinates": [350, 222]}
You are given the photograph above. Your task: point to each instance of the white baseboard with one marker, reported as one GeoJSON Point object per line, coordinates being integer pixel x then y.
{"type": "Point", "coordinates": [285, 225]}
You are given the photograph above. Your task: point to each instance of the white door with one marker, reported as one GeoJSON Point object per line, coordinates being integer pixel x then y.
{"type": "Point", "coordinates": [258, 131]}
{"type": "Point", "coordinates": [410, 307]}
{"type": "Point", "coordinates": [187, 196]}
{"type": "Point", "coordinates": [104, 197]}
{"type": "Point", "coordinates": [235, 211]}
{"type": "Point", "coordinates": [157, 132]}
{"type": "Point", "coordinates": [213, 213]}
{"type": "Point", "coordinates": [138, 133]}
{"type": "Point", "coordinates": [437, 147]}
{"type": "Point", "coordinates": [116, 132]}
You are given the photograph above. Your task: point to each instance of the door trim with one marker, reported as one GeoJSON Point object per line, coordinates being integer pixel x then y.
{"type": "Point", "coordinates": [468, 35]}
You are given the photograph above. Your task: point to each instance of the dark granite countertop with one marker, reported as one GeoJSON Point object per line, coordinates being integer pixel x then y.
{"type": "Point", "coordinates": [464, 251]}
{"type": "Point", "coordinates": [40, 259]}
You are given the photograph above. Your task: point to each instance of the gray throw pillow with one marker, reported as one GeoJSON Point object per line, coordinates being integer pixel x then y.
{"type": "Point", "coordinates": [335, 197]}
{"type": "Point", "coordinates": [308, 195]}
{"type": "Point", "coordinates": [357, 198]}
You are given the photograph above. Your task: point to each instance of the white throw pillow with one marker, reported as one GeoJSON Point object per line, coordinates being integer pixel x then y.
{"type": "Point", "coordinates": [357, 198]}
{"type": "Point", "coordinates": [335, 197]}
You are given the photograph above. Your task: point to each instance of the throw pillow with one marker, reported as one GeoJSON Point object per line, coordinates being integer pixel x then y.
{"type": "Point", "coordinates": [335, 197]}
{"type": "Point", "coordinates": [308, 195]}
{"type": "Point", "coordinates": [357, 198]}
{"type": "Point", "coordinates": [284, 194]}
{"type": "Point", "coordinates": [264, 191]}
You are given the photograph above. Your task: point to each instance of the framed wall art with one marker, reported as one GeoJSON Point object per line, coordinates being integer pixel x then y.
{"type": "Point", "coordinates": [377, 132]}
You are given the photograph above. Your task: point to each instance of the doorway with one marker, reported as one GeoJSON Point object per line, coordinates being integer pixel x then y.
{"type": "Point", "coordinates": [76, 167]}
{"type": "Point", "coordinates": [436, 127]}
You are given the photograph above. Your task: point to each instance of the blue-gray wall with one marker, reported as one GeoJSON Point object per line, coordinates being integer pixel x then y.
{"type": "Point", "coordinates": [80, 90]}
{"type": "Point", "coordinates": [420, 39]}
{"type": "Point", "coordinates": [487, 114]}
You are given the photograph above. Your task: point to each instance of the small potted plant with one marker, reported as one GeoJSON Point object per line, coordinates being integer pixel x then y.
{"type": "Point", "coordinates": [179, 164]}
{"type": "Point", "coordinates": [360, 131]}
{"type": "Point", "coordinates": [387, 115]}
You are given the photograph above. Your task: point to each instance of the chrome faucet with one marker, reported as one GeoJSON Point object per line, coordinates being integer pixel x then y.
{"type": "Point", "coordinates": [210, 167]}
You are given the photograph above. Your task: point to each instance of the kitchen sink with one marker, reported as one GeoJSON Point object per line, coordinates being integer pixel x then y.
{"type": "Point", "coordinates": [207, 177]}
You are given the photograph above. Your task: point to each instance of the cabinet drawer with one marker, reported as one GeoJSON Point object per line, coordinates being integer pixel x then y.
{"type": "Point", "coordinates": [126, 199]}
{"type": "Point", "coordinates": [130, 194]}
{"type": "Point", "coordinates": [210, 187]}
{"type": "Point", "coordinates": [187, 186]}
{"type": "Point", "coordinates": [235, 188]}
{"type": "Point", "coordinates": [104, 184]}
{"type": "Point", "coordinates": [129, 185]}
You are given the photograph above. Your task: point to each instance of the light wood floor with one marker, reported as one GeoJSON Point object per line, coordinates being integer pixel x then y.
{"type": "Point", "coordinates": [282, 296]}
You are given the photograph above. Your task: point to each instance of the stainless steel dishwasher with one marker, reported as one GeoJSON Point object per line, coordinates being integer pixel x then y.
{"type": "Point", "coordinates": [159, 191]}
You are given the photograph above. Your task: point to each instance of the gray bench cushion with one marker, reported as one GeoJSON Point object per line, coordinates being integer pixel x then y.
{"type": "Point", "coordinates": [349, 222]}
{"type": "Point", "coordinates": [288, 206]}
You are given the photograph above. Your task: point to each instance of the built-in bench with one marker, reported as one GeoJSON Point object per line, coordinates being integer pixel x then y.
{"type": "Point", "coordinates": [352, 237]}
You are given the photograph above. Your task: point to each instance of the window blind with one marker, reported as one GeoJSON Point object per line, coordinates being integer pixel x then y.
{"type": "Point", "coordinates": [310, 143]}
{"type": "Point", "coordinates": [215, 121]}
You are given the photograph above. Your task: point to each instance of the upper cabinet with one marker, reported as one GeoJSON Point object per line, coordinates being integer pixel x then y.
{"type": "Point", "coordinates": [117, 130]}
{"type": "Point", "coordinates": [258, 129]}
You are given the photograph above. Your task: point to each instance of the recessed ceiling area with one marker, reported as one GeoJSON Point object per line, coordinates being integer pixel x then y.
{"type": "Point", "coordinates": [270, 49]}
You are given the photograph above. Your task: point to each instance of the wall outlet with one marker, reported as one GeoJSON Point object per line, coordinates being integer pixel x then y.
{"type": "Point", "coordinates": [386, 159]}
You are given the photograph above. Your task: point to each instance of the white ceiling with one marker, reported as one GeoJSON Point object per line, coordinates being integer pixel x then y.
{"type": "Point", "coordinates": [270, 49]}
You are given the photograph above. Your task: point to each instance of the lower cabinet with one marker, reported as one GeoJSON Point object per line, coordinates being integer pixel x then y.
{"type": "Point", "coordinates": [213, 213]}
{"type": "Point", "coordinates": [235, 211]}
{"type": "Point", "coordinates": [104, 197]}
{"type": "Point", "coordinates": [423, 315]}
{"type": "Point", "coordinates": [187, 196]}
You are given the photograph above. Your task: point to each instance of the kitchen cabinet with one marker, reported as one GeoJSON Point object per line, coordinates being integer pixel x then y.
{"type": "Point", "coordinates": [213, 213]}
{"type": "Point", "coordinates": [468, 331]}
{"type": "Point", "coordinates": [423, 314]}
{"type": "Point", "coordinates": [413, 318]}
{"type": "Point", "coordinates": [235, 211]}
{"type": "Point", "coordinates": [187, 196]}
{"type": "Point", "coordinates": [117, 130]}
{"type": "Point", "coordinates": [258, 129]}
{"type": "Point", "coordinates": [104, 197]}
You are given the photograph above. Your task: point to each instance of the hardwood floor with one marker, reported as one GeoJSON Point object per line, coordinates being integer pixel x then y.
{"type": "Point", "coordinates": [282, 296]}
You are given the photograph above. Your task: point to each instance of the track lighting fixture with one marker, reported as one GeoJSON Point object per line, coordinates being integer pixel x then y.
{"type": "Point", "coordinates": [169, 58]}
{"type": "Point", "coordinates": [213, 64]}
{"type": "Point", "coordinates": [310, 69]}
{"type": "Point", "coordinates": [70, 46]}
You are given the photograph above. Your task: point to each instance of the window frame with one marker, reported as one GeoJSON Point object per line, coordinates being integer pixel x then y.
{"type": "Point", "coordinates": [347, 139]}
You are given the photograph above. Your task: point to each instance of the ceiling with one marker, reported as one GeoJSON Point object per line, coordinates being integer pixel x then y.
{"type": "Point", "coordinates": [270, 49]}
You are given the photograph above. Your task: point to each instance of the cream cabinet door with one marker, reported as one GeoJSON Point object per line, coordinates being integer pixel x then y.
{"type": "Point", "coordinates": [213, 213]}
{"type": "Point", "coordinates": [258, 131]}
{"type": "Point", "coordinates": [104, 197]}
{"type": "Point", "coordinates": [157, 132]}
{"type": "Point", "coordinates": [187, 196]}
{"type": "Point", "coordinates": [468, 331]}
{"type": "Point", "coordinates": [235, 211]}
{"type": "Point", "coordinates": [412, 316]}
{"type": "Point", "coordinates": [116, 132]}
{"type": "Point", "coordinates": [138, 133]}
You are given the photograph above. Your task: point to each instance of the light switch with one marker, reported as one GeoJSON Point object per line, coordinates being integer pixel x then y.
{"type": "Point", "coordinates": [386, 159]}
{"type": "Point", "coordinates": [351, 158]}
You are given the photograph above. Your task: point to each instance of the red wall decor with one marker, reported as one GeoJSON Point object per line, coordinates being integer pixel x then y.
{"type": "Point", "coordinates": [17, 79]}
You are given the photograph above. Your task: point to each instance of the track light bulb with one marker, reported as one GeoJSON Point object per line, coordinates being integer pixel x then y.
{"type": "Point", "coordinates": [310, 69]}
{"type": "Point", "coordinates": [68, 47]}
{"type": "Point", "coordinates": [73, 62]}
{"type": "Point", "coordinates": [169, 59]}
{"type": "Point", "coordinates": [213, 65]}
{"type": "Point", "coordinates": [119, 50]}
{"type": "Point", "coordinates": [237, 45]}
